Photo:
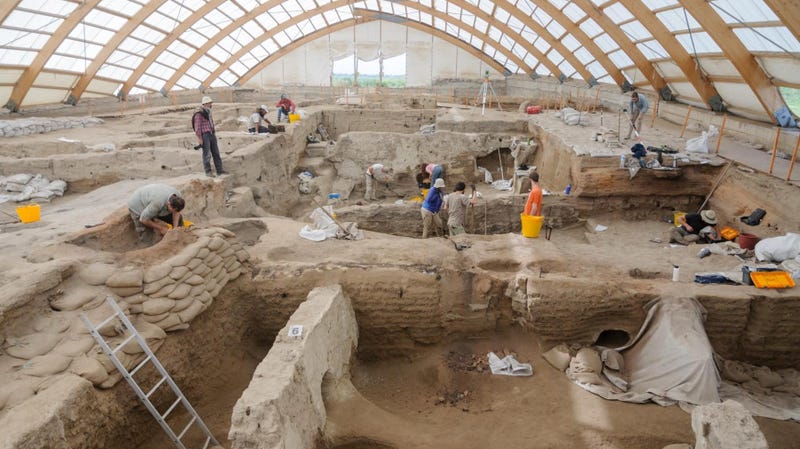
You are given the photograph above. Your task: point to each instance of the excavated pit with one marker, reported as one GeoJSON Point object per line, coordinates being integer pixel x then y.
{"type": "Point", "coordinates": [424, 310]}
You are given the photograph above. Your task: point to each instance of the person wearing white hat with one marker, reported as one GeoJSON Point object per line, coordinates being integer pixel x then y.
{"type": "Point", "coordinates": [254, 126]}
{"type": "Point", "coordinates": [693, 227]}
{"type": "Point", "coordinates": [203, 125]}
{"type": "Point", "coordinates": [430, 209]}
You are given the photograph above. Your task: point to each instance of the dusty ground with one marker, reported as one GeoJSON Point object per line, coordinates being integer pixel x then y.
{"type": "Point", "coordinates": [543, 411]}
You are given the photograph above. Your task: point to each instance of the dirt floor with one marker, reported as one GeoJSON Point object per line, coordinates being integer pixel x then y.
{"type": "Point", "coordinates": [447, 390]}
{"type": "Point", "coordinates": [444, 392]}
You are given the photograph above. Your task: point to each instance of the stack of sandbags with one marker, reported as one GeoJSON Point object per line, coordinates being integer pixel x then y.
{"type": "Point", "coordinates": [175, 291]}
{"type": "Point", "coordinates": [570, 116]}
{"type": "Point", "coordinates": [24, 187]}
{"type": "Point", "coordinates": [37, 125]}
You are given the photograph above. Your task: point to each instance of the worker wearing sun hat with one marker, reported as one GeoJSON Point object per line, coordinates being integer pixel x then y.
{"type": "Point", "coordinates": [693, 227]}
{"type": "Point", "coordinates": [203, 125]}
{"type": "Point", "coordinates": [430, 209]}
{"type": "Point", "coordinates": [254, 122]}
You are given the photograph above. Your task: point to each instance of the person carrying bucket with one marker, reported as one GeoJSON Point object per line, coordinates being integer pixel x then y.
{"type": "Point", "coordinates": [534, 204]}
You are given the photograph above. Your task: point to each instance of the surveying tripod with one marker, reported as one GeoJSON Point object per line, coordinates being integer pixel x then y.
{"type": "Point", "coordinates": [486, 86]}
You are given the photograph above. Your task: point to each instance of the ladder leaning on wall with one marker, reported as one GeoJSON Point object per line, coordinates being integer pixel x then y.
{"type": "Point", "coordinates": [165, 377]}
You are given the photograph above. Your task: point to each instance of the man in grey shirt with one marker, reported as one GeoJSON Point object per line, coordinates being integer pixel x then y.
{"type": "Point", "coordinates": [154, 206]}
{"type": "Point", "coordinates": [456, 206]}
{"type": "Point", "coordinates": [638, 107]}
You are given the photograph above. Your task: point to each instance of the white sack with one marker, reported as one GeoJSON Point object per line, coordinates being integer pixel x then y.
{"type": "Point", "coordinates": [778, 249]}
{"type": "Point", "coordinates": [508, 366]}
{"type": "Point", "coordinates": [700, 144]}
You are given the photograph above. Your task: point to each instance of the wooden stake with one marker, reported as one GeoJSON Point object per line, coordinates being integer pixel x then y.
{"type": "Point", "coordinates": [655, 111]}
{"type": "Point", "coordinates": [596, 98]}
{"type": "Point", "coordinates": [721, 130]}
{"type": "Point", "coordinates": [686, 120]}
{"type": "Point", "coordinates": [794, 156]}
{"type": "Point", "coordinates": [774, 149]}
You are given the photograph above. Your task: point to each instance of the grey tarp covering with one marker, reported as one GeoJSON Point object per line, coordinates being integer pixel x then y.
{"type": "Point", "coordinates": [670, 360]}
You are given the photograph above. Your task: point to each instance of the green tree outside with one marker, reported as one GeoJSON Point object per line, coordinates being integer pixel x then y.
{"type": "Point", "coordinates": [792, 98]}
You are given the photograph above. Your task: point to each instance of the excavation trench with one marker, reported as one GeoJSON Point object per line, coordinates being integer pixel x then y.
{"type": "Point", "coordinates": [424, 310]}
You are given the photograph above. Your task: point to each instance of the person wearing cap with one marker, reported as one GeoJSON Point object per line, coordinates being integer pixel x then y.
{"type": "Point", "coordinates": [430, 209]}
{"type": "Point", "coordinates": [456, 206]}
{"type": "Point", "coordinates": [637, 108]}
{"type": "Point", "coordinates": [376, 173]}
{"type": "Point", "coordinates": [203, 125]}
{"type": "Point", "coordinates": [285, 107]}
{"type": "Point", "coordinates": [534, 204]}
{"type": "Point", "coordinates": [694, 227]}
{"type": "Point", "coordinates": [254, 126]}
{"type": "Point", "coordinates": [155, 206]}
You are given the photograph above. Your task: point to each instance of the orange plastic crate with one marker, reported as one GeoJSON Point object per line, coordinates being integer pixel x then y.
{"type": "Point", "coordinates": [728, 233]}
{"type": "Point", "coordinates": [772, 279]}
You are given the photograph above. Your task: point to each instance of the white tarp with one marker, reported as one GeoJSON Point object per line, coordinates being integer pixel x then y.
{"type": "Point", "coordinates": [669, 361]}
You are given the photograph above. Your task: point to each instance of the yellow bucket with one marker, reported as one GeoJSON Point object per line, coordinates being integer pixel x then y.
{"type": "Point", "coordinates": [677, 216]}
{"type": "Point", "coordinates": [531, 225]}
{"type": "Point", "coordinates": [424, 193]}
{"type": "Point", "coordinates": [30, 213]}
{"type": "Point", "coordinates": [294, 118]}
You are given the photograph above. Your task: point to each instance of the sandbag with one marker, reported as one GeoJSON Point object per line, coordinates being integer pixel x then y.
{"type": "Point", "coordinates": [32, 345]}
{"type": "Point", "coordinates": [90, 369]}
{"type": "Point", "coordinates": [558, 357]}
{"type": "Point", "coordinates": [778, 249]}
{"type": "Point", "coordinates": [75, 345]}
{"type": "Point", "coordinates": [45, 365]}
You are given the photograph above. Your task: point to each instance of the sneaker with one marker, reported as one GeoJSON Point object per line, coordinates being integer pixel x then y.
{"type": "Point", "coordinates": [210, 174]}
{"type": "Point", "coordinates": [222, 172]}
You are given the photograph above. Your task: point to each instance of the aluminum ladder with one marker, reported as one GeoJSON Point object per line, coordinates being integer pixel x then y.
{"type": "Point", "coordinates": [165, 377]}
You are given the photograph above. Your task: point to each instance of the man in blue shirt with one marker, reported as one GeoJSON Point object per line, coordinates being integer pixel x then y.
{"type": "Point", "coordinates": [637, 107]}
{"type": "Point", "coordinates": [431, 207]}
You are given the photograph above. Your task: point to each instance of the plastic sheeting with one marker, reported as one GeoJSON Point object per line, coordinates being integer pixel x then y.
{"type": "Point", "coordinates": [669, 361]}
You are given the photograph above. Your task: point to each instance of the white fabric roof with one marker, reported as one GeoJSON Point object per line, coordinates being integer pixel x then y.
{"type": "Point", "coordinates": [63, 50]}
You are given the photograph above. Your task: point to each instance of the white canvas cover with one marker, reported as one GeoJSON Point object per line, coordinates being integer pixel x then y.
{"type": "Point", "coordinates": [669, 361]}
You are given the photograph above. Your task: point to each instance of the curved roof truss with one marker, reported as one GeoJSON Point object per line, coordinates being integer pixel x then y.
{"type": "Point", "coordinates": [703, 52]}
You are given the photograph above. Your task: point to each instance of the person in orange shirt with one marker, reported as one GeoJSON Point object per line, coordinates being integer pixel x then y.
{"type": "Point", "coordinates": [534, 204]}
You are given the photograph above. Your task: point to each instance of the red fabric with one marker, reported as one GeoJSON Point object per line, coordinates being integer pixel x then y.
{"type": "Point", "coordinates": [286, 104]}
{"type": "Point", "coordinates": [535, 197]}
{"type": "Point", "coordinates": [202, 125]}
{"type": "Point", "coordinates": [536, 109]}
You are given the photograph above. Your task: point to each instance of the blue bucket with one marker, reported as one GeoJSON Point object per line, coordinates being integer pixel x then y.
{"type": "Point", "coordinates": [333, 196]}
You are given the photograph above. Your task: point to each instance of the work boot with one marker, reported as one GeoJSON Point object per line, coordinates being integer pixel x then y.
{"type": "Point", "coordinates": [210, 174]}
{"type": "Point", "coordinates": [222, 172]}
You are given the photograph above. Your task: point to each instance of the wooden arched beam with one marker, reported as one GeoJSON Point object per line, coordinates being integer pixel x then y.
{"type": "Point", "coordinates": [213, 40]}
{"type": "Point", "coordinates": [108, 49]}
{"type": "Point", "coordinates": [541, 57]}
{"type": "Point", "coordinates": [789, 13]}
{"type": "Point", "coordinates": [616, 33]}
{"type": "Point", "coordinates": [6, 7]}
{"type": "Point", "coordinates": [368, 16]}
{"type": "Point", "coordinates": [485, 37]}
{"type": "Point", "coordinates": [164, 44]}
{"type": "Point", "coordinates": [741, 58]}
{"type": "Point", "coordinates": [577, 33]}
{"type": "Point", "coordinates": [28, 76]}
{"type": "Point", "coordinates": [679, 55]}
{"type": "Point", "coordinates": [238, 55]}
